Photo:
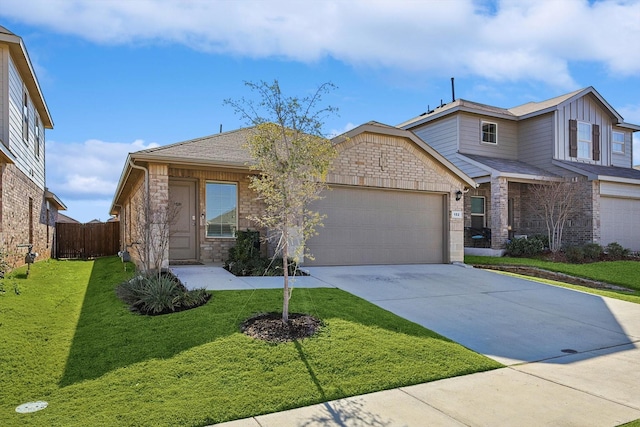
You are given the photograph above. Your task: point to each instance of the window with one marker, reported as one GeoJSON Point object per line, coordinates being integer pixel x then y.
{"type": "Point", "coordinates": [25, 116]}
{"type": "Point", "coordinates": [36, 143]}
{"type": "Point", "coordinates": [222, 212]}
{"type": "Point", "coordinates": [477, 212]}
{"type": "Point", "coordinates": [584, 140]}
{"type": "Point", "coordinates": [489, 132]}
{"type": "Point", "coordinates": [617, 142]}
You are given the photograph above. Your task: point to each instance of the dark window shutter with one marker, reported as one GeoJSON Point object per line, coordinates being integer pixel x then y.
{"type": "Point", "coordinates": [595, 129]}
{"type": "Point", "coordinates": [573, 138]}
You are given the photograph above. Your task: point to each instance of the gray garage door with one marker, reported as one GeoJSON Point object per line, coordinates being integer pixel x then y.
{"type": "Point", "coordinates": [365, 226]}
{"type": "Point", "coordinates": [620, 222]}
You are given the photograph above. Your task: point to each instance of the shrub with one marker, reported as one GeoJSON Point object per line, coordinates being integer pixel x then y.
{"type": "Point", "coordinates": [245, 258]}
{"type": "Point", "coordinates": [525, 247]}
{"type": "Point", "coordinates": [592, 251]}
{"type": "Point", "coordinates": [574, 254]}
{"type": "Point", "coordinates": [159, 294]}
{"type": "Point", "coordinates": [616, 251]}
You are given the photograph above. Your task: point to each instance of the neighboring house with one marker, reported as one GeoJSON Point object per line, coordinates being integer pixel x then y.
{"type": "Point", "coordinates": [392, 199]}
{"type": "Point", "coordinates": [28, 210]}
{"type": "Point", "coordinates": [64, 219]}
{"type": "Point", "coordinates": [576, 136]}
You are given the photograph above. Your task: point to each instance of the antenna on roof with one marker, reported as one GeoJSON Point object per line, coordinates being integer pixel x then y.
{"type": "Point", "coordinates": [453, 91]}
{"type": "Point", "coordinates": [220, 127]}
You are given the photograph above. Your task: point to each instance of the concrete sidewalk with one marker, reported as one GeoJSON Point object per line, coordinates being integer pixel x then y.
{"type": "Point", "coordinates": [526, 325]}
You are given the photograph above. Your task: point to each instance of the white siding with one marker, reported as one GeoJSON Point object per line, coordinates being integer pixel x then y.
{"type": "Point", "coordinates": [24, 151]}
{"type": "Point", "coordinates": [585, 109]}
{"type": "Point", "coordinates": [470, 130]}
{"type": "Point", "coordinates": [4, 102]}
{"type": "Point", "coordinates": [619, 190]}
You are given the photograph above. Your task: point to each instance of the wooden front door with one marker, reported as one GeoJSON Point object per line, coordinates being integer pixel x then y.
{"type": "Point", "coordinates": [182, 230]}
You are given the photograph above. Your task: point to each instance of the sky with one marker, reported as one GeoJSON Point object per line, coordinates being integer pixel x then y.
{"type": "Point", "coordinates": [120, 76]}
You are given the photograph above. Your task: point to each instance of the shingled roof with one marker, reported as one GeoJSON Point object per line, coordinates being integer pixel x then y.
{"type": "Point", "coordinates": [225, 148]}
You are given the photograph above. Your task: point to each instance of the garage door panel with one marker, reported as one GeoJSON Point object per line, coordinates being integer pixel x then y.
{"type": "Point", "coordinates": [619, 222]}
{"type": "Point", "coordinates": [366, 226]}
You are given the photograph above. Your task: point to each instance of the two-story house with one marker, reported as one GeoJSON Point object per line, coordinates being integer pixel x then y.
{"type": "Point", "coordinates": [28, 210]}
{"type": "Point", "coordinates": [578, 136]}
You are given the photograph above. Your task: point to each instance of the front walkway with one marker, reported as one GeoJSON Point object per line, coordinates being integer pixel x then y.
{"type": "Point", "coordinates": [533, 328]}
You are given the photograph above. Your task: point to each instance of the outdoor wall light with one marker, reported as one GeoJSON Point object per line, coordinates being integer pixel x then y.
{"type": "Point", "coordinates": [458, 195]}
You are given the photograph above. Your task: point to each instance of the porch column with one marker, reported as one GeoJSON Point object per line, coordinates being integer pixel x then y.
{"type": "Point", "coordinates": [158, 211]}
{"type": "Point", "coordinates": [499, 212]}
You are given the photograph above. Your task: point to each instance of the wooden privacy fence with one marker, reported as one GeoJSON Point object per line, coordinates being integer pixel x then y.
{"type": "Point", "coordinates": [83, 241]}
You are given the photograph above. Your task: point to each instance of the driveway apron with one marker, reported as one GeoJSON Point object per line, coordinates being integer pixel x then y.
{"type": "Point", "coordinates": [509, 319]}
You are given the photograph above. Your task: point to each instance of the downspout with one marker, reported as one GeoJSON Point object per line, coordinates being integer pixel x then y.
{"type": "Point", "coordinates": [122, 228]}
{"type": "Point", "coordinates": [147, 229]}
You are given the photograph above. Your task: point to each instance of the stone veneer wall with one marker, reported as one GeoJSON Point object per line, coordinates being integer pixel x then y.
{"type": "Point", "coordinates": [15, 191]}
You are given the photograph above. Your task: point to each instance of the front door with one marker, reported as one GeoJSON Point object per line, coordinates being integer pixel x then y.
{"type": "Point", "coordinates": [182, 230]}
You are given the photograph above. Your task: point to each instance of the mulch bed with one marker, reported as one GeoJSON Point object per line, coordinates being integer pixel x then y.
{"type": "Point", "coordinates": [551, 275]}
{"type": "Point", "coordinates": [270, 327]}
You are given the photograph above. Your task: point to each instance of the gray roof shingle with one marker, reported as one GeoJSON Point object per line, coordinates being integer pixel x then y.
{"type": "Point", "coordinates": [509, 166]}
{"type": "Point", "coordinates": [226, 147]}
{"type": "Point", "coordinates": [589, 169]}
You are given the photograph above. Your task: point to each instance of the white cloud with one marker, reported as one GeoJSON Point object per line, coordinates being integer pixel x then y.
{"type": "Point", "coordinates": [92, 168]}
{"type": "Point", "coordinates": [502, 41]}
{"type": "Point", "coordinates": [335, 132]}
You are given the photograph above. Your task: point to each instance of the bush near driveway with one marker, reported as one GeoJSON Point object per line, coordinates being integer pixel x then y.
{"type": "Point", "coordinates": [66, 339]}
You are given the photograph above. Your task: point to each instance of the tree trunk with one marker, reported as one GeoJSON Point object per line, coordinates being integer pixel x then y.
{"type": "Point", "coordinates": [285, 267]}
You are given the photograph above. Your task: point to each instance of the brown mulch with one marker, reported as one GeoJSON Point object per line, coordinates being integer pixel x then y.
{"type": "Point", "coordinates": [551, 275]}
{"type": "Point", "coordinates": [270, 327]}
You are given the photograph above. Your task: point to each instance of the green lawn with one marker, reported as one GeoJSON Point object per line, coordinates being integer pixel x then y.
{"type": "Point", "coordinates": [67, 340]}
{"type": "Point", "coordinates": [622, 273]}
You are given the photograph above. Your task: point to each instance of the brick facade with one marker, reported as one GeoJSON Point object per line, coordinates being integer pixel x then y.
{"type": "Point", "coordinates": [26, 217]}
{"type": "Point", "coordinates": [385, 161]}
{"type": "Point", "coordinates": [366, 160]}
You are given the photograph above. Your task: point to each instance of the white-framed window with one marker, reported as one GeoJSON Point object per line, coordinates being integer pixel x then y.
{"type": "Point", "coordinates": [478, 212]}
{"type": "Point", "coordinates": [222, 209]}
{"type": "Point", "coordinates": [25, 116]}
{"type": "Point", "coordinates": [36, 143]}
{"type": "Point", "coordinates": [489, 132]}
{"type": "Point", "coordinates": [617, 142]}
{"type": "Point", "coordinates": [585, 142]}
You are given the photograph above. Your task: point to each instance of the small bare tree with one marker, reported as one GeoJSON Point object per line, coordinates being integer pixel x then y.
{"type": "Point", "coordinates": [292, 158]}
{"type": "Point", "coordinates": [150, 233]}
{"type": "Point", "coordinates": [555, 203]}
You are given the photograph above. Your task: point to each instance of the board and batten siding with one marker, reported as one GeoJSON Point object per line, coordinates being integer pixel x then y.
{"type": "Point", "coordinates": [585, 109]}
{"type": "Point", "coordinates": [24, 151]}
{"type": "Point", "coordinates": [470, 137]}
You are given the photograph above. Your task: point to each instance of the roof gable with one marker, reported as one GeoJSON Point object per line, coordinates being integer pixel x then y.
{"type": "Point", "coordinates": [382, 129]}
{"type": "Point", "coordinates": [21, 58]}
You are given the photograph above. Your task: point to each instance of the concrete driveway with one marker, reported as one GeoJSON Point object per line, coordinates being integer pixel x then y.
{"type": "Point", "coordinates": [508, 319]}
{"type": "Point", "coordinates": [572, 357]}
